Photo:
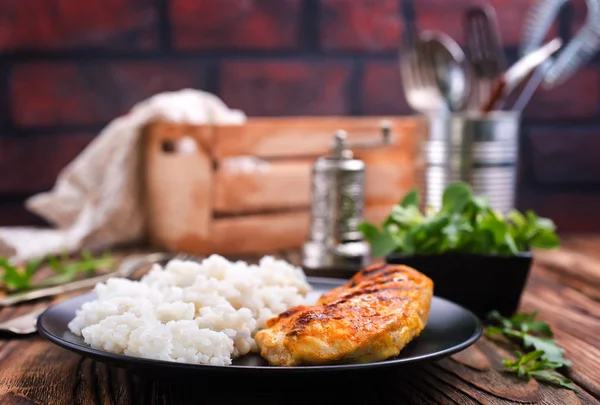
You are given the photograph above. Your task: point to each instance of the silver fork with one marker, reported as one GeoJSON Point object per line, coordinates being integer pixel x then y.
{"type": "Point", "coordinates": [485, 52]}
{"type": "Point", "coordinates": [418, 78]}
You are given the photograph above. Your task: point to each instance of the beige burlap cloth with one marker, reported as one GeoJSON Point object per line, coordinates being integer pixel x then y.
{"type": "Point", "coordinates": [96, 202]}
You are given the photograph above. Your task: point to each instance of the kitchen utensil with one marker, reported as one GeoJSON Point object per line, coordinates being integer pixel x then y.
{"type": "Point", "coordinates": [538, 21]}
{"type": "Point", "coordinates": [478, 149]}
{"type": "Point", "coordinates": [433, 73]}
{"type": "Point", "coordinates": [417, 69]}
{"type": "Point", "coordinates": [537, 24]}
{"type": "Point", "coordinates": [530, 87]}
{"type": "Point", "coordinates": [518, 72]}
{"type": "Point", "coordinates": [418, 80]}
{"type": "Point", "coordinates": [578, 51]}
{"type": "Point", "coordinates": [449, 64]}
{"type": "Point", "coordinates": [128, 267]}
{"type": "Point", "coordinates": [431, 66]}
{"type": "Point", "coordinates": [450, 329]}
{"type": "Point", "coordinates": [22, 325]}
{"type": "Point", "coordinates": [337, 207]}
{"type": "Point", "coordinates": [485, 52]}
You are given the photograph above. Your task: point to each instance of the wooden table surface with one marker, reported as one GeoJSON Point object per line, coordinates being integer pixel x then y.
{"type": "Point", "coordinates": [564, 287]}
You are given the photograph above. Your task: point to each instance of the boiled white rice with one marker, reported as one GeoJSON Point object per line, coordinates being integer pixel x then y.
{"type": "Point", "coordinates": [192, 312]}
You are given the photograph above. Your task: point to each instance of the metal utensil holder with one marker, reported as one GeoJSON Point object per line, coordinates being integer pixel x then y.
{"type": "Point", "coordinates": [480, 150]}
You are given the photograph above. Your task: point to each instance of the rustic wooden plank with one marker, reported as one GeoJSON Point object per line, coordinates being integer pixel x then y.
{"type": "Point", "coordinates": [419, 384]}
{"type": "Point", "coordinates": [260, 186]}
{"type": "Point", "coordinates": [307, 136]}
{"type": "Point", "coordinates": [472, 357]}
{"type": "Point", "coordinates": [564, 307]}
{"type": "Point", "coordinates": [560, 278]}
{"type": "Point", "coordinates": [577, 265]}
{"type": "Point", "coordinates": [467, 389]}
{"type": "Point", "coordinates": [581, 242]}
{"type": "Point", "coordinates": [39, 372]}
{"type": "Point", "coordinates": [439, 390]}
{"type": "Point", "coordinates": [266, 186]}
{"type": "Point", "coordinates": [178, 182]}
{"type": "Point", "coordinates": [260, 233]}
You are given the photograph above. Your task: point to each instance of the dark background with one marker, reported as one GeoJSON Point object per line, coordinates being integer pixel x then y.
{"type": "Point", "coordinates": [67, 67]}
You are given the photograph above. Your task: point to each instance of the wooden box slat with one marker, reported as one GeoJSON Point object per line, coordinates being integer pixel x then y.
{"type": "Point", "coordinates": [251, 233]}
{"type": "Point", "coordinates": [179, 186]}
{"type": "Point", "coordinates": [286, 184]}
{"type": "Point", "coordinates": [305, 136]}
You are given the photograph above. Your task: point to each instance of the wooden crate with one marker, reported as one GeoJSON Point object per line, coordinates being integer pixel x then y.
{"type": "Point", "coordinates": [246, 189]}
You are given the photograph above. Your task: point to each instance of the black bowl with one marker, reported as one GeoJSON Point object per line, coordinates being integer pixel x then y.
{"type": "Point", "coordinates": [481, 283]}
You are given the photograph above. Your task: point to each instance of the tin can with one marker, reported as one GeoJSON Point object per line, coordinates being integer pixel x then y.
{"type": "Point", "coordinates": [480, 150]}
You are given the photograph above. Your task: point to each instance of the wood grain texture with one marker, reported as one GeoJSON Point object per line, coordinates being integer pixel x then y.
{"type": "Point", "coordinates": [250, 185]}
{"type": "Point", "coordinates": [32, 371]}
{"type": "Point", "coordinates": [251, 233]}
{"type": "Point", "coordinates": [178, 183]}
{"type": "Point", "coordinates": [307, 136]}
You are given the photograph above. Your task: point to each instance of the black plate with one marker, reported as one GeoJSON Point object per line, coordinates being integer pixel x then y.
{"type": "Point", "coordinates": [450, 329]}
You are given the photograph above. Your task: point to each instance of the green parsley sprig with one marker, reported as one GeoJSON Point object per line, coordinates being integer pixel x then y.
{"type": "Point", "coordinates": [465, 223]}
{"type": "Point", "coordinates": [14, 278]}
{"type": "Point", "coordinates": [545, 355]}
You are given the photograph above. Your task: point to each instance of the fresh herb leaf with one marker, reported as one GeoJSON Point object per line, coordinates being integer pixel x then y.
{"type": "Point", "coordinates": [381, 241]}
{"type": "Point", "coordinates": [18, 278]}
{"type": "Point", "coordinates": [552, 351]}
{"type": "Point", "coordinates": [456, 197]}
{"type": "Point", "coordinates": [465, 223]}
{"type": "Point", "coordinates": [545, 356]}
{"type": "Point", "coordinates": [553, 377]}
{"type": "Point", "coordinates": [411, 199]}
{"type": "Point", "coordinates": [534, 365]}
{"type": "Point", "coordinates": [545, 239]}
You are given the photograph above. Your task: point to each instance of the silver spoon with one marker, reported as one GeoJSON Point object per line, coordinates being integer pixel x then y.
{"type": "Point", "coordinates": [433, 73]}
{"type": "Point", "coordinates": [448, 62]}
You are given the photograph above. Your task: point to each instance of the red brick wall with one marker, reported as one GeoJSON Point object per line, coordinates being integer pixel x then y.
{"type": "Point", "coordinates": [69, 66]}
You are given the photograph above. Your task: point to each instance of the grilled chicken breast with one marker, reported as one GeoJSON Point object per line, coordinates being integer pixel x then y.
{"type": "Point", "coordinates": [371, 318]}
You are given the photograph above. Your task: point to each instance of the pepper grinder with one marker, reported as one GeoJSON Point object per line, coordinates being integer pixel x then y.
{"type": "Point", "coordinates": [337, 208]}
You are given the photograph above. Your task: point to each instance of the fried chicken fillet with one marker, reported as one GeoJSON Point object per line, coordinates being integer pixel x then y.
{"type": "Point", "coordinates": [371, 318]}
